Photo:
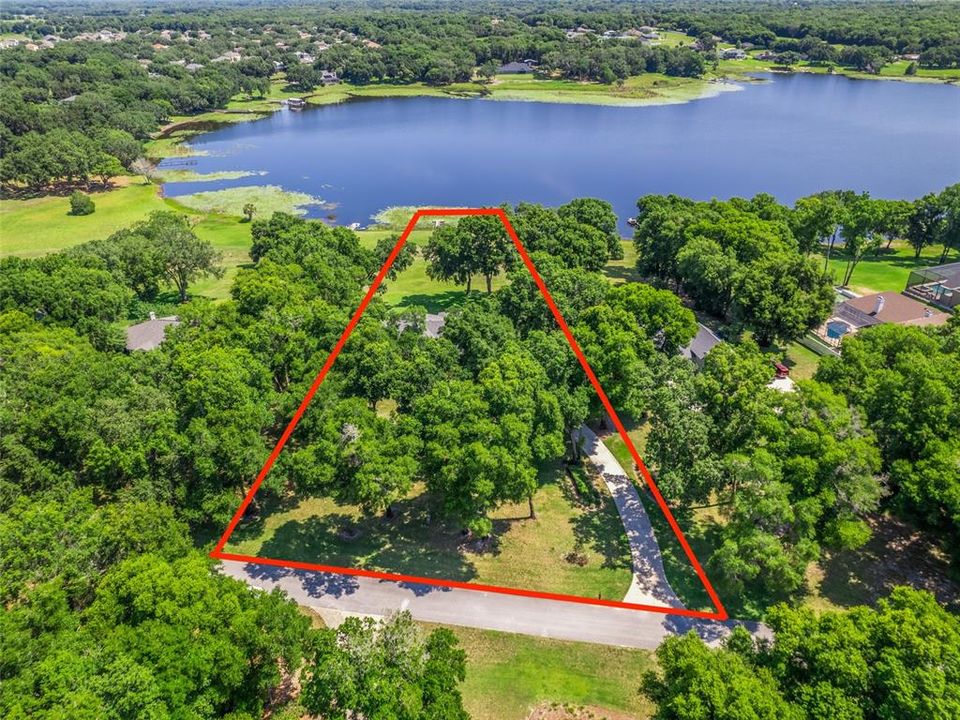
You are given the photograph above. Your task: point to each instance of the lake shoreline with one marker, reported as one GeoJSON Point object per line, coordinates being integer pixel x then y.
{"type": "Point", "coordinates": [649, 90]}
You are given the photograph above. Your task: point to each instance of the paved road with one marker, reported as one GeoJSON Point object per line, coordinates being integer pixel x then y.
{"type": "Point", "coordinates": [337, 596]}
{"type": "Point", "coordinates": [649, 585]}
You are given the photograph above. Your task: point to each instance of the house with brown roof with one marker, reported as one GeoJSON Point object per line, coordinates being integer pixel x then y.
{"type": "Point", "coordinates": [854, 314]}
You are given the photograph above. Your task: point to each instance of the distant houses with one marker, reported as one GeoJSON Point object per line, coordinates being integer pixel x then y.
{"type": "Point", "coordinates": [733, 54]}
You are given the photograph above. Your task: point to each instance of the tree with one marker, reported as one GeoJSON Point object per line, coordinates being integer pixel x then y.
{"type": "Point", "coordinates": [81, 204]}
{"type": "Point", "coordinates": [401, 262]}
{"type": "Point", "coordinates": [366, 669]}
{"type": "Point", "coordinates": [659, 313]}
{"type": "Point", "coordinates": [815, 219]}
{"type": "Point", "coordinates": [898, 660]}
{"type": "Point", "coordinates": [925, 223]}
{"type": "Point", "coordinates": [448, 258]}
{"type": "Point", "coordinates": [248, 210]}
{"type": "Point", "coordinates": [185, 257]}
{"type": "Point", "coordinates": [781, 297]}
{"type": "Point", "coordinates": [864, 219]}
{"type": "Point", "coordinates": [706, 271]}
{"type": "Point", "coordinates": [950, 229]}
{"type": "Point", "coordinates": [697, 683]}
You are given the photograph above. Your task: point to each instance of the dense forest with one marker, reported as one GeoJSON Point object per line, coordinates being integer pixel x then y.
{"type": "Point", "coordinates": [121, 71]}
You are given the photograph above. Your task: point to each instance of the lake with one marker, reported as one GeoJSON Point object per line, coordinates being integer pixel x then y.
{"type": "Point", "coordinates": [791, 136]}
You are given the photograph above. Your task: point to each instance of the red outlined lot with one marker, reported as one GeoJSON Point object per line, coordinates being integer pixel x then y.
{"type": "Point", "coordinates": [218, 552]}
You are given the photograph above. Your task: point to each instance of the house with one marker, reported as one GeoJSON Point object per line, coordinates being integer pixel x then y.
{"type": "Point", "coordinates": [296, 103]}
{"type": "Point", "coordinates": [854, 314]}
{"type": "Point", "coordinates": [305, 58]}
{"type": "Point", "coordinates": [516, 68]}
{"type": "Point", "coordinates": [192, 67]}
{"type": "Point", "coordinates": [938, 285]}
{"type": "Point", "coordinates": [328, 77]}
{"type": "Point", "coordinates": [704, 341]}
{"type": "Point", "coordinates": [150, 334]}
{"type": "Point", "coordinates": [432, 326]}
{"type": "Point", "coordinates": [733, 54]}
{"type": "Point", "coordinates": [230, 56]}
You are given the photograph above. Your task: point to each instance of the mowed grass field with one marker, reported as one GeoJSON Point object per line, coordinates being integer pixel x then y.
{"type": "Point", "coordinates": [508, 675]}
{"type": "Point", "coordinates": [43, 225]}
{"type": "Point", "coordinates": [888, 270]}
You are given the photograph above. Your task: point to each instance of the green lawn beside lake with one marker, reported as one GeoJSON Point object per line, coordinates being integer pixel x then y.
{"type": "Point", "coordinates": [887, 271]}
{"type": "Point", "coordinates": [43, 225]}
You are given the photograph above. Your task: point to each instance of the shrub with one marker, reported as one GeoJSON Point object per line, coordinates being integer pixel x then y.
{"type": "Point", "coordinates": [81, 204]}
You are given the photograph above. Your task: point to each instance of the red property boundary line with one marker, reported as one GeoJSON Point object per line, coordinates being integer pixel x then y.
{"type": "Point", "coordinates": [218, 553]}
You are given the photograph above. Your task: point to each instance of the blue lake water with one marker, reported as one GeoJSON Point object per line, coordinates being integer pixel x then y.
{"type": "Point", "coordinates": [791, 136]}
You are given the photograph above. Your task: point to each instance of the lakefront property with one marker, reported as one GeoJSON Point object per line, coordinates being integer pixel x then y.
{"type": "Point", "coordinates": [506, 361]}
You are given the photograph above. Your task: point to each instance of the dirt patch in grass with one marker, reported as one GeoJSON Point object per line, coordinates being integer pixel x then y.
{"type": "Point", "coordinates": [555, 711]}
{"type": "Point", "coordinates": [897, 554]}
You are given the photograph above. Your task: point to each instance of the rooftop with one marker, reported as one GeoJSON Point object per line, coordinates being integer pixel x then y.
{"type": "Point", "coordinates": [888, 308]}
{"type": "Point", "coordinates": [704, 341]}
{"type": "Point", "coordinates": [149, 334]}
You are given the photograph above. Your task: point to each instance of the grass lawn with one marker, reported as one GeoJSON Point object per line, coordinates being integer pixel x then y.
{"type": "Point", "coordinates": [528, 553]}
{"type": "Point", "coordinates": [508, 675]}
{"type": "Point", "coordinates": [413, 286]}
{"type": "Point", "coordinates": [802, 361]}
{"type": "Point", "coordinates": [886, 272]}
{"type": "Point", "coordinates": [624, 270]}
{"type": "Point", "coordinates": [42, 225]}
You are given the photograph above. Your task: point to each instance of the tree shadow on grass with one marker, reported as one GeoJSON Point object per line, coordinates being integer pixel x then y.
{"type": "Point", "coordinates": [896, 554]}
{"type": "Point", "coordinates": [623, 273]}
{"type": "Point", "coordinates": [599, 528]}
{"type": "Point", "coordinates": [409, 543]}
{"type": "Point", "coordinates": [433, 302]}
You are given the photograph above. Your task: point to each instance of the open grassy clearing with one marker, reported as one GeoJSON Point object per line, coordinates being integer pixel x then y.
{"type": "Point", "coordinates": [527, 553]}
{"type": "Point", "coordinates": [508, 675]}
{"type": "Point", "coordinates": [43, 225]}
{"type": "Point", "coordinates": [413, 287]}
{"type": "Point", "coordinates": [887, 271]}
